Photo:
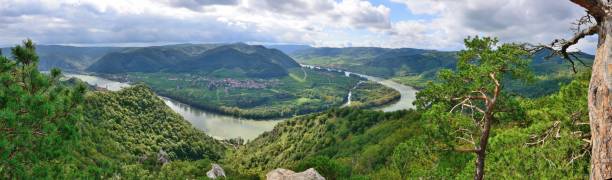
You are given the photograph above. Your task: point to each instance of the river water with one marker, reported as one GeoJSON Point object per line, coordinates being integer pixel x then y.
{"type": "Point", "coordinates": [225, 127]}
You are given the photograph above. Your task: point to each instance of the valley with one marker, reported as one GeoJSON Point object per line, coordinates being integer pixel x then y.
{"type": "Point", "coordinates": [222, 126]}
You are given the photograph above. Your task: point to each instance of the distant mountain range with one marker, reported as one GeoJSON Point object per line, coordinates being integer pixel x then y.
{"type": "Point", "coordinates": [261, 61]}
{"type": "Point", "coordinates": [68, 58]}
{"type": "Point", "coordinates": [385, 62]}
{"type": "Point", "coordinates": [250, 60]}
{"type": "Point", "coordinates": [239, 58]}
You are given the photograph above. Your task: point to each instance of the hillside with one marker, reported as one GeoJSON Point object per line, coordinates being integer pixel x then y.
{"type": "Point", "coordinates": [255, 61]}
{"type": "Point", "coordinates": [123, 132]}
{"type": "Point", "coordinates": [358, 144]}
{"type": "Point", "coordinates": [68, 58]}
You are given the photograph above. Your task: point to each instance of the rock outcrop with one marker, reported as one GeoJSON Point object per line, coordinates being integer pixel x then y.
{"type": "Point", "coordinates": [215, 172]}
{"type": "Point", "coordinates": [162, 157]}
{"type": "Point", "coordinates": [285, 174]}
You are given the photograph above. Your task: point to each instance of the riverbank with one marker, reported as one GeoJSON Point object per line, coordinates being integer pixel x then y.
{"type": "Point", "coordinates": [223, 126]}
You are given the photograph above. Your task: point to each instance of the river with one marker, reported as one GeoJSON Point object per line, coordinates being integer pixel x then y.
{"type": "Point", "coordinates": [225, 127]}
{"type": "Point", "coordinates": [408, 94]}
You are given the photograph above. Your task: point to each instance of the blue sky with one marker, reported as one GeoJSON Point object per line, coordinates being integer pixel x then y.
{"type": "Point", "coordinates": [430, 24]}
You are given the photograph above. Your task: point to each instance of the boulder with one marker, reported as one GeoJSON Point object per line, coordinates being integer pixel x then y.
{"type": "Point", "coordinates": [285, 174]}
{"type": "Point", "coordinates": [278, 174]}
{"type": "Point", "coordinates": [162, 157]}
{"type": "Point", "coordinates": [215, 172]}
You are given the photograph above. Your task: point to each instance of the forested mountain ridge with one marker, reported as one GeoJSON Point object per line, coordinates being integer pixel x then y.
{"type": "Point", "coordinates": [256, 61]}
{"type": "Point", "coordinates": [68, 58]}
{"type": "Point", "coordinates": [388, 62]}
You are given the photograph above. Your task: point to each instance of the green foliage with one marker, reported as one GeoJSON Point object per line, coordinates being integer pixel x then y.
{"type": "Point", "coordinates": [328, 168]}
{"type": "Point", "coordinates": [143, 124]}
{"type": "Point", "coordinates": [423, 143]}
{"type": "Point", "coordinates": [414, 158]}
{"type": "Point", "coordinates": [38, 116]}
{"type": "Point", "coordinates": [420, 144]}
{"type": "Point", "coordinates": [479, 68]}
{"type": "Point", "coordinates": [357, 140]}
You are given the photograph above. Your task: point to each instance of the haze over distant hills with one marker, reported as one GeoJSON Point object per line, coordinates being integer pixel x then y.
{"type": "Point", "coordinates": [68, 58]}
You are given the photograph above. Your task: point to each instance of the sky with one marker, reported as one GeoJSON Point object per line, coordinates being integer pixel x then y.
{"type": "Point", "coordinates": [426, 24]}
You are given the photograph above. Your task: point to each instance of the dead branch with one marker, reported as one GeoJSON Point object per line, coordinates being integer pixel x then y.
{"type": "Point", "coordinates": [540, 139]}
{"type": "Point", "coordinates": [559, 47]}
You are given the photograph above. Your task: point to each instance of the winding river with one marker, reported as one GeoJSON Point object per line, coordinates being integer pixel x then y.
{"type": "Point", "coordinates": [226, 127]}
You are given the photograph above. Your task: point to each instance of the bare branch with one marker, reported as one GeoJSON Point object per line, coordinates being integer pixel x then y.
{"type": "Point", "coordinates": [559, 47]}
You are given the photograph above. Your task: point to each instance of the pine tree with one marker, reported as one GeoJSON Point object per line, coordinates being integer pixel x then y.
{"type": "Point", "coordinates": [38, 115]}
{"type": "Point", "coordinates": [471, 97]}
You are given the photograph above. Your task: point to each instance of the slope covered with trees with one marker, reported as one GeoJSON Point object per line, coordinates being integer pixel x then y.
{"type": "Point", "coordinates": [57, 130]}
{"type": "Point", "coordinates": [460, 119]}
{"type": "Point", "coordinates": [544, 140]}
{"type": "Point", "coordinates": [254, 61]}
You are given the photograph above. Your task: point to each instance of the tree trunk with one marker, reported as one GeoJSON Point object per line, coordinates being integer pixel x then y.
{"type": "Point", "coordinates": [600, 111]}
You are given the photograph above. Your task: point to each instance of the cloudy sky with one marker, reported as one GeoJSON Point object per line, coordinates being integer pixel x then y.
{"type": "Point", "coordinates": [431, 24]}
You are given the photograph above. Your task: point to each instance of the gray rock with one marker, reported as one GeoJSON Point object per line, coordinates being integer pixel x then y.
{"type": "Point", "coordinates": [215, 172]}
{"type": "Point", "coordinates": [284, 174]}
{"type": "Point", "coordinates": [278, 174]}
{"type": "Point", "coordinates": [162, 157]}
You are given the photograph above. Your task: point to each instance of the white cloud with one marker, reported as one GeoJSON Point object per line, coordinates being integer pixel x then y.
{"type": "Point", "coordinates": [534, 21]}
{"type": "Point", "coordinates": [141, 21]}
{"type": "Point", "coordinates": [319, 22]}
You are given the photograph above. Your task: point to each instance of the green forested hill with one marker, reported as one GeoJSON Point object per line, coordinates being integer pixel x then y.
{"type": "Point", "coordinates": [124, 131]}
{"type": "Point", "coordinates": [59, 130]}
{"type": "Point", "coordinates": [256, 61]}
{"type": "Point", "coordinates": [546, 141]}
{"type": "Point", "coordinates": [141, 123]}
